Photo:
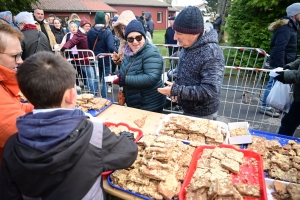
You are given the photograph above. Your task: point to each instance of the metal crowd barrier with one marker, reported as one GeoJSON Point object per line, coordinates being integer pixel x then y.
{"type": "Point", "coordinates": [244, 82]}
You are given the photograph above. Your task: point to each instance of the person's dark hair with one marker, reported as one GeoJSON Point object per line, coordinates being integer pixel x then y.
{"type": "Point", "coordinates": [44, 77]}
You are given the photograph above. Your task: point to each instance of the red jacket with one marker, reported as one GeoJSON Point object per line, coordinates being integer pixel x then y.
{"type": "Point", "coordinates": [10, 105]}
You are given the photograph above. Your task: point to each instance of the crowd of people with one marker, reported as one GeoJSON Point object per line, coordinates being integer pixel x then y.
{"type": "Point", "coordinates": [47, 144]}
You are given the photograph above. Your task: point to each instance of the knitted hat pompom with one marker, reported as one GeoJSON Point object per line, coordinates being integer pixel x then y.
{"type": "Point", "coordinates": [189, 21]}
{"type": "Point", "coordinates": [134, 26]}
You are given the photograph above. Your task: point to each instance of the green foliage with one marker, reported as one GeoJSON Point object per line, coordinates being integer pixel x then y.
{"type": "Point", "coordinates": [248, 21]}
{"type": "Point", "coordinates": [16, 6]}
{"type": "Point", "coordinates": [213, 4]}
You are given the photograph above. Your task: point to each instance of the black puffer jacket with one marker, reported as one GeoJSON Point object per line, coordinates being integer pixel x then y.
{"type": "Point", "coordinates": [30, 43]}
{"type": "Point", "coordinates": [284, 42]}
{"type": "Point", "coordinates": [143, 78]}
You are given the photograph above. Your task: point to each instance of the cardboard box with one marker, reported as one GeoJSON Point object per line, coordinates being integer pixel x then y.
{"type": "Point", "coordinates": [243, 139]}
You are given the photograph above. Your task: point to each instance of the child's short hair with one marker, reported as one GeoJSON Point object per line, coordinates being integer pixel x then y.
{"type": "Point", "coordinates": [43, 79]}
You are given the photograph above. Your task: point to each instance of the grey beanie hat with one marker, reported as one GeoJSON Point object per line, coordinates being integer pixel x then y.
{"type": "Point", "coordinates": [189, 21]}
{"type": "Point", "coordinates": [293, 9]}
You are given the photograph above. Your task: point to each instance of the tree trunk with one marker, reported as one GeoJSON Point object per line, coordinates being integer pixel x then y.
{"type": "Point", "coordinates": [223, 6]}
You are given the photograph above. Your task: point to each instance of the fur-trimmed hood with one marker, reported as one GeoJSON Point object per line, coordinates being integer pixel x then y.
{"type": "Point", "coordinates": [124, 19]}
{"type": "Point", "coordinates": [290, 21]}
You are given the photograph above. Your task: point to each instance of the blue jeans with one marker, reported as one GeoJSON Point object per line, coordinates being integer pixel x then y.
{"type": "Point", "coordinates": [104, 84]}
{"type": "Point", "coordinates": [267, 91]}
{"type": "Point", "coordinates": [291, 120]}
{"type": "Point", "coordinates": [91, 78]}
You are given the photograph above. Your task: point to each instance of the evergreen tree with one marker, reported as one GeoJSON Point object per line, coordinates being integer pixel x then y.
{"type": "Point", "coordinates": [16, 6]}
{"type": "Point", "coordinates": [247, 21]}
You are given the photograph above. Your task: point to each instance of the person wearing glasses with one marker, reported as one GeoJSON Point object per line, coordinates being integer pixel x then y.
{"type": "Point", "coordinates": [10, 104]}
{"type": "Point", "coordinates": [34, 40]}
{"type": "Point", "coordinates": [141, 69]}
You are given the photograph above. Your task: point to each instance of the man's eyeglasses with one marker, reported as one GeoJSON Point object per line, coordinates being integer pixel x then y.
{"type": "Point", "coordinates": [16, 56]}
{"type": "Point", "coordinates": [137, 38]}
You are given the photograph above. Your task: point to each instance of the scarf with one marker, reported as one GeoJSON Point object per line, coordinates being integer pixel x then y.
{"type": "Point", "coordinates": [74, 49]}
{"type": "Point", "coordinates": [29, 27]}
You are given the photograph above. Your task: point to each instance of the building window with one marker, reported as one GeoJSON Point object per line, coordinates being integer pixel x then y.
{"type": "Point", "coordinates": [159, 17]}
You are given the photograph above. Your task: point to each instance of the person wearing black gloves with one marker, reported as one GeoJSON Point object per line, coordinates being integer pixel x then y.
{"type": "Point", "coordinates": [283, 49]}
{"type": "Point", "coordinates": [291, 120]}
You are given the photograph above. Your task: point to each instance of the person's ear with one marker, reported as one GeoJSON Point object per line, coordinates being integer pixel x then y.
{"type": "Point", "coordinates": [70, 96]}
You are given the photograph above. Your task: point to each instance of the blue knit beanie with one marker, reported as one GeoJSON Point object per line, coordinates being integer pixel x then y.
{"type": "Point", "coordinates": [6, 16]}
{"type": "Point", "coordinates": [134, 26]}
{"type": "Point", "coordinates": [293, 9]}
{"type": "Point", "coordinates": [189, 21]}
{"type": "Point", "coordinates": [114, 19]}
{"type": "Point", "coordinates": [100, 18]}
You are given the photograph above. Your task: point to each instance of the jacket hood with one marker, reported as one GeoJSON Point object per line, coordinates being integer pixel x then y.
{"type": "Point", "coordinates": [124, 19]}
{"type": "Point", "coordinates": [45, 130]}
{"type": "Point", "coordinates": [208, 37]}
{"type": "Point", "coordinates": [281, 22]}
{"type": "Point", "coordinates": [148, 16]}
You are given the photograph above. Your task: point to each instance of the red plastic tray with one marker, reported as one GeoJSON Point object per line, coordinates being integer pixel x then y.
{"type": "Point", "coordinates": [254, 176]}
{"type": "Point", "coordinates": [139, 136]}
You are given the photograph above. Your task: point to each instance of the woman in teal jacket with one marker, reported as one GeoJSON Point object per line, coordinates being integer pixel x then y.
{"type": "Point", "coordinates": [141, 70]}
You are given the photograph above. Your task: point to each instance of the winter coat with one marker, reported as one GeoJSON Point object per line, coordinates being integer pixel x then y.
{"type": "Point", "coordinates": [217, 23]}
{"type": "Point", "coordinates": [49, 35]}
{"type": "Point", "coordinates": [143, 78]}
{"type": "Point", "coordinates": [284, 42]}
{"type": "Point", "coordinates": [61, 155]}
{"type": "Point", "coordinates": [58, 34]}
{"type": "Point", "coordinates": [105, 44]}
{"type": "Point", "coordinates": [124, 19]}
{"type": "Point", "coordinates": [10, 105]}
{"type": "Point", "coordinates": [293, 76]}
{"type": "Point", "coordinates": [200, 76]}
{"type": "Point", "coordinates": [80, 40]}
{"type": "Point", "coordinates": [30, 43]}
{"type": "Point", "coordinates": [169, 36]}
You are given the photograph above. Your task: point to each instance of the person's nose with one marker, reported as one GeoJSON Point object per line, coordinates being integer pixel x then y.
{"type": "Point", "coordinates": [175, 36]}
{"type": "Point", "coordinates": [20, 61]}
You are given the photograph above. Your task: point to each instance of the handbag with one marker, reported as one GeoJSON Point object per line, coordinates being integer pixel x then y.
{"type": "Point", "coordinates": [121, 98]}
{"type": "Point", "coordinates": [121, 95]}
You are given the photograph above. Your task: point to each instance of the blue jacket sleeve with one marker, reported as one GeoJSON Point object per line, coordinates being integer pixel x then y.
{"type": "Point", "coordinates": [110, 43]}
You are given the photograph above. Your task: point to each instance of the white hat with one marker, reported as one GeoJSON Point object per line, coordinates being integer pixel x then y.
{"type": "Point", "coordinates": [293, 9]}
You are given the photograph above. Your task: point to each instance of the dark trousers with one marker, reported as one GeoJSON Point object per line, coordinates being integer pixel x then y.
{"type": "Point", "coordinates": [291, 120]}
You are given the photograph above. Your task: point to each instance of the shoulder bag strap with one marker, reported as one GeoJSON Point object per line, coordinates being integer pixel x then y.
{"type": "Point", "coordinates": [129, 67]}
{"type": "Point", "coordinates": [95, 43]}
{"type": "Point", "coordinates": [38, 43]}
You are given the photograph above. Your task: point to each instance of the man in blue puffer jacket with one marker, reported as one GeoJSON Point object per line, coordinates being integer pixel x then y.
{"type": "Point", "coordinates": [200, 68]}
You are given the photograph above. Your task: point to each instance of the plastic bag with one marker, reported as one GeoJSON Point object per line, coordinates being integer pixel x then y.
{"type": "Point", "coordinates": [279, 96]}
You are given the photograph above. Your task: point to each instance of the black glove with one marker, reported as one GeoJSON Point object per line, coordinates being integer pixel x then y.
{"type": "Point", "coordinates": [63, 49]}
{"type": "Point", "coordinates": [280, 77]}
{"type": "Point", "coordinates": [287, 67]}
{"type": "Point", "coordinates": [127, 134]}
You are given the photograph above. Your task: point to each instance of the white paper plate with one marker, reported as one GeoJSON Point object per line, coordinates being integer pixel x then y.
{"type": "Point", "coordinates": [270, 187]}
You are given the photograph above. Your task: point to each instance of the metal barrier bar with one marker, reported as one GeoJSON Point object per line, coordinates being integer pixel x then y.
{"type": "Point", "coordinates": [87, 79]}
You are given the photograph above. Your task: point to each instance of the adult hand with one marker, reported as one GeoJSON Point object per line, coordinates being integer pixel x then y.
{"type": "Point", "coordinates": [166, 90]}
{"type": "Point", "coordinates": [280, 77]}
{"type": "Point", "coordinates": [287, 67]}
{"type": "Point", "coordinates": [115, 56]}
